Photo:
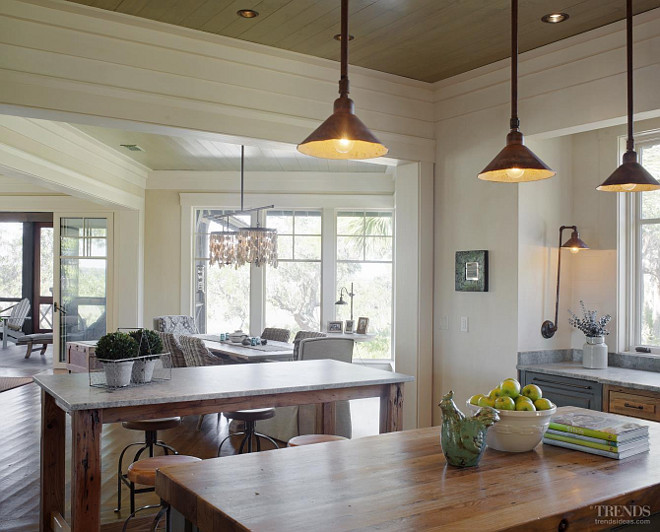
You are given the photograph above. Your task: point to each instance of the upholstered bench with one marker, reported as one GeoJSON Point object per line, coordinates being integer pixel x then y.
{"type": "Point", "coordinates": [28, 339]}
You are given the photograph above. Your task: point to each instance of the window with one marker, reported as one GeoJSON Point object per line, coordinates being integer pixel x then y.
{"type": "Point", "coordinates": [364, 258]}
{"type": "Point", "coordinates": [646, 209]}
{"type": "Point", "coordinates": [222, 295]}
{"type": "Point", "coordinates": [11, 261]}
{"type": "Point", "coordinates": [293, 289]}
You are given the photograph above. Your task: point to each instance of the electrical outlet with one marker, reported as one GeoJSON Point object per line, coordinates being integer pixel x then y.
{"type": "Point", "coordinates": [444, 323]}
{"type": "Point", "coordinates": [464, 324]}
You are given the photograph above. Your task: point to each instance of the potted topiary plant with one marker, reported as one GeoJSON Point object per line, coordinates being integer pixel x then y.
{"type": "Point", "coordinates": [112, 350]}
{"type": "Point", "coordinates": [149, 344]}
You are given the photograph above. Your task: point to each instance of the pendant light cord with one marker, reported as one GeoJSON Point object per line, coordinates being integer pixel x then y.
{"type": "Point", "coordinates": [515, 122]}
{"type": "Point", "coordinates": [242, 177]}
{"type": "Point", "coordinates": [343, 80]}
{"type": "Point", "coordinates": [630, 143]}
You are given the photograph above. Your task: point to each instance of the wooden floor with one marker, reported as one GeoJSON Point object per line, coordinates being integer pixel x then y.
{"type": "Point", "coordinates": [19, 448]}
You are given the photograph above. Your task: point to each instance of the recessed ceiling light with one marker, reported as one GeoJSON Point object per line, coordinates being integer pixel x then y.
{"type": "Point", "coordinates": [247, 13]}
{"type": "Point", "coordinates": [554, 18]}
{"type": "Point", "coordinates": [338, 37]}
{"type": "Point", "coordinates": [131, 147]}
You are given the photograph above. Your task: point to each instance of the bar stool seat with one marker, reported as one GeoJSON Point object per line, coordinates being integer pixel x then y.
{"type": "Point", "coordinates": [144, 472]}
{"type": "Point", "coordinates": [249, 419]}
{"type": "Point", "coordinates": [311, 439]}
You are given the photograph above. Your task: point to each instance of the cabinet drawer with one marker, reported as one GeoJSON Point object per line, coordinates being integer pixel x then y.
{"type": "Point", "coordinates": [630, 404]}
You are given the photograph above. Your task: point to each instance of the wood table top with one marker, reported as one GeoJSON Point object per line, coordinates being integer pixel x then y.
{"type": "Point", "coordinates": [73, 392]}
{"type": "Point", "coordinates": [400, 481]}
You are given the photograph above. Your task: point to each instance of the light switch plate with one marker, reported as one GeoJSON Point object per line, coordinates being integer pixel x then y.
{"type": "Point", "coordinates": [464, 324]}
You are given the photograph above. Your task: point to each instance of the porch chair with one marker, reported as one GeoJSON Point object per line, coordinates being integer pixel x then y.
{"type": "Point", "coordinates": [12, 325]}
{"type": "Point", "coordinates": [175, 324]}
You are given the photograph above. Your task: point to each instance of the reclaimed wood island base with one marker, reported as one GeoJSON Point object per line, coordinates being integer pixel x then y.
{"type": "Point", "coordinates": [400, 481]}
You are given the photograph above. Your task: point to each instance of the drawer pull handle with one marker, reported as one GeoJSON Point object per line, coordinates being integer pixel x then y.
{"type": "Point", "coordinates": [638, 407]}
{"type": "Point", "coordinates": [561, 383]}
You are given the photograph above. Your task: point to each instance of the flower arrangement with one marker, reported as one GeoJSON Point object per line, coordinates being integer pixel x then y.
{"type": "Point", "coordinates": [589, 325]}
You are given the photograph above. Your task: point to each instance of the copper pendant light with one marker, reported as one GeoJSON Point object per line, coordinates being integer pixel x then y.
{"type": "Point", "coordinates": [630, 176]}
{"type": "Point", "coordinates": [515, 163]}
{"type": "Point", "coordinates": [343, 135]}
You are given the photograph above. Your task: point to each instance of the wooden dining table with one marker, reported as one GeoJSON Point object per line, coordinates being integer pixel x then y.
{"type": "Point", "coordinates": [273, 351]}
{"type": "Point", "coordinates": [401, 481]}
{"type": "Point", "coordinates": [190, 391]}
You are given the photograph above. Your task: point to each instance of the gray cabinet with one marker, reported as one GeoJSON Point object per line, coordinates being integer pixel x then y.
{"type": "Point", "coordinates": [566, 391]}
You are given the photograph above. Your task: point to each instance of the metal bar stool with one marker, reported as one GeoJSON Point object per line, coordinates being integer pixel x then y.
{"type": "Point", "coordinates": [249, 419]}
{"type": "Point", "coordinates": [150, 428]}
{"type": "Point", "coordinates": [144, 472]}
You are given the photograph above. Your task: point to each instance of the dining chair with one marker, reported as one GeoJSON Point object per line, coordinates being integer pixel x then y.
{"type": "Point", "coordinates": [176, 324]}
{"type": "Point", "coordinates": [301, 335]}
{"type": "Point", "coordinates": [277, 335]}
{"type": "Point", "coordinates": [291, 421]}
{"type": "Point", "coordinates": [195, 352]}
{"type": "Point", "coordinates": [172, 346]}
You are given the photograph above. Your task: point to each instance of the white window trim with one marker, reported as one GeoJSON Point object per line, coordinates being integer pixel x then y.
{"type": "Point", "coordinates": [628, 283]}
{"type": "Point", "coordinates": [329, 204]}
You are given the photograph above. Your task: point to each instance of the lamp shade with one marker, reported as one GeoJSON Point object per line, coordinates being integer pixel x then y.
{"type": "Point", "coordinates": [516, 163]}
{"type": "Point", "coordinates": [575, 243]}
{"type": "Point", "coordinates": [342, 136]}
{"type": "Point", "coordinates": [630, 177]}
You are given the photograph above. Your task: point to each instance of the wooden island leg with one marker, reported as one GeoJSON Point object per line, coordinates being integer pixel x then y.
{"type": "Point", "coordinates": [53, 441]}
{"type": "Point", "coordinates": [329, 417]}
{"type": "Point", "coordinates": [86, 471]}
{"type": "Point", "coordinates": [391, 408]}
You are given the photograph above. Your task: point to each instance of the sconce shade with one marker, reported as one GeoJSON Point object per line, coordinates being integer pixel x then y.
{"type": "Point", "coordinates": [516, 163]}
{"type": "Point", "coordinates": [630, 177]}
{"type": "Point", "coordinates": [342, 136]}
{"type": "Point", "coordinates": [575, 242]}
{"type": "Point", "coordinates": [341, 301]}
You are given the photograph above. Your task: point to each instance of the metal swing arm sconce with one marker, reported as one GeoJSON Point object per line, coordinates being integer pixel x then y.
{"type": "Point", "coordinates": [575, 244]}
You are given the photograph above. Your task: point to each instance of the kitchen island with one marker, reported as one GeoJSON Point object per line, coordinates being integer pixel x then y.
{"type": "Point", "coordinates": [400, 481]}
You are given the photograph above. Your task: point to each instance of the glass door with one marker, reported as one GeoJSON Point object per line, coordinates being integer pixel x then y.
{"type": "Point", "coordinates": [81, 309]}
{"type": "Point", "coordinates": [42, 306]}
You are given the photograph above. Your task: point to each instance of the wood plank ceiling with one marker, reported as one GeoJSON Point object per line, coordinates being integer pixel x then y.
{"type": "Point", "coordinates": [426, 40]}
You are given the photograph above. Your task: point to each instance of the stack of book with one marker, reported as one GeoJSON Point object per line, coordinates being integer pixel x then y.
{"type": "Point", "coordinates": [598, 433]}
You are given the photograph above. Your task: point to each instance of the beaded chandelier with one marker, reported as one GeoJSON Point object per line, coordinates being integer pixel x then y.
{"type": "Point", "coordinates": [247, 245]}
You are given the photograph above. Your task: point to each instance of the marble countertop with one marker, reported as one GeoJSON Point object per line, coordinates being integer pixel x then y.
{"type": "Point", "coordinates": [629, 378]}
{"type": "Point", "coordinates": [73, 392]}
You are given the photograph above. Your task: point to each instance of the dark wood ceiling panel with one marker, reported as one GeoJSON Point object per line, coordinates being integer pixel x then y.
{"type": "Point", "coordinates": [428, 40]}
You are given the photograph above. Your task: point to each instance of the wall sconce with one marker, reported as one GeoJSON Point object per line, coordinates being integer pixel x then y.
{"type": "Point", "coordinates": [575, 244]}
{"type": "Point", "coordinates": [341, 298]}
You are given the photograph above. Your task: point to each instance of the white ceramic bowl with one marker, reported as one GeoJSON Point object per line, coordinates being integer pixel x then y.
{"type": "Point", "coordinates": [517, 431]}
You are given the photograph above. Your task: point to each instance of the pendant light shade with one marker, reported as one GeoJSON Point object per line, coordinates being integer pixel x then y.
{"type": "Point", "coordinates": [515, 163]}
{"type": "Point", "coordinates": [343, 135]}
{"type": "Point", "coordinates": [630, 176]}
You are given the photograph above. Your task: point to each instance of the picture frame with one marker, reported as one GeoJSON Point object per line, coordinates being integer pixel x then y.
{"type": "Point", "coordinates": [471, 274]}
{"type": "Point", "coordinates": [335, 326]}
{"type": "Point", "coordinates": [348, 328]}
{"type": "Point", "coordinates": [362, 325]}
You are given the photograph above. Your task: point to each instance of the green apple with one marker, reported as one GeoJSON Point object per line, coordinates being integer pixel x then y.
{"type": "Point", "coordinates": [486, 401]}
{"type": "Point", "coordinates": [505, 403]}
{"type": "Point", "coordinates": [532, 391]}
{"type": "Point", "coordinates": [523, 399]}
{"type": "Point", "coordinates": [543, 404]}
{"type": "Point", "coordinates": [474, 400]}
{"type": "Point", "coordinates": [525, 406]}
{"type": "Point", "coordinates": [495, 393]}
{"type": "Point", "coordinates": [510, 388]}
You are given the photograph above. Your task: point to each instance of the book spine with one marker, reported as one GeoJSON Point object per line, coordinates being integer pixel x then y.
{"type": "Point", "coordinates": [582, 448]}
{"type": "Point", "coordinates": [568, 439]}
{"type": "Point", "coordinates": [584, 432]}
{"type": "Point", "coordinates": [581, 437]}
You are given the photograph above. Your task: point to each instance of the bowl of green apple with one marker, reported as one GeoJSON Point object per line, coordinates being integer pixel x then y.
{"type": "Point", "coordinates": [524, 415]}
